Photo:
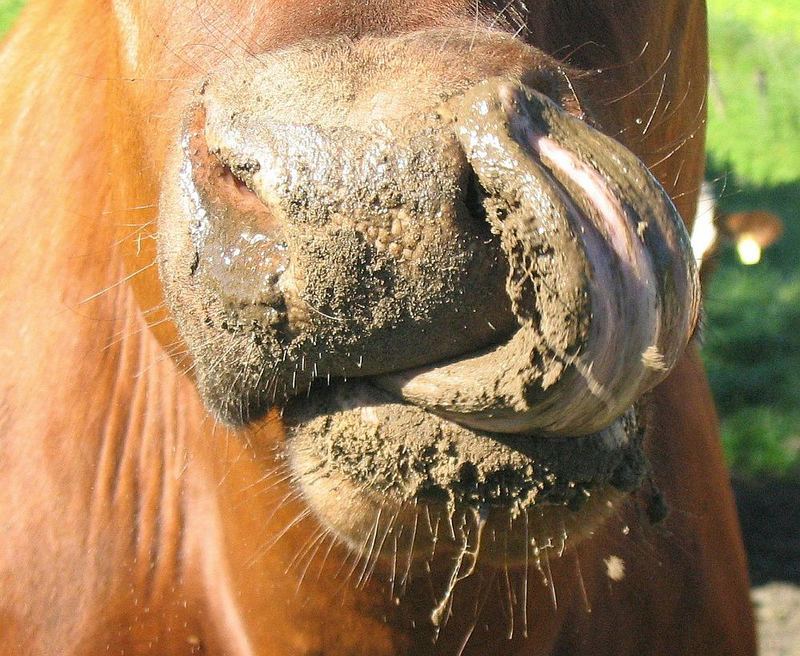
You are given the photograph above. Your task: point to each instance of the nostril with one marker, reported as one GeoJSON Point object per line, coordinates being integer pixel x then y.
{"type": "Point", "coordinates": [238, 241]}
{"type": "Point", "coordinates": [232, 181]}
{"type": "Point", "coordinates": [217, 169]}
{"type": "Point", "coordinates": [237, 182]}
{"type": "Point", "coordinates": [475, 196]}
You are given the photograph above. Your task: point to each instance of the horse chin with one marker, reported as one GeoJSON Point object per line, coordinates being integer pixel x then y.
{"type": "Point", "coordinates": [404, 483]}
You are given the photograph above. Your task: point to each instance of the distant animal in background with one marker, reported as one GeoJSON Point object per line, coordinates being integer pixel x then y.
{"type": "Point", "coordinates": [750, 232]}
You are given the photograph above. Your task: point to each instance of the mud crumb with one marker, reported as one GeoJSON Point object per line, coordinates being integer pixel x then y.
{"type": "Point", "coordinates": [615, 568]}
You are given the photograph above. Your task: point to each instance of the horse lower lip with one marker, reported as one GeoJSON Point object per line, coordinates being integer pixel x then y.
{"type": "Point", "coordinates": [388, 447]}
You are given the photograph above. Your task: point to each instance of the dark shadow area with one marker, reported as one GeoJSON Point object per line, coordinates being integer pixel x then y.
{"type": "Point", "coordinates": [769, 511]}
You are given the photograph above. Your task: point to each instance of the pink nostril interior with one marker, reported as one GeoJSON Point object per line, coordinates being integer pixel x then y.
{"type": "Point", "coordinates": [227, 177]}
{"type": "Point", "coordinates": [238, 239]}
{"type": "Point", "coordinates": [234, 191]}
{"type": "Point", "coordinates": [222, 181]}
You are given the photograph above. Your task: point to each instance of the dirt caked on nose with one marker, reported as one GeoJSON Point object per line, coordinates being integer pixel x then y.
{"type": "Point", "coordinates": [345, 230]}
{"type": "Point", "coordinates": [601, 279]}
{"type": "Point", "coordinates": [601, 283]}
{"type": "Point", "coordinates": [333, 251]}
{"type": "Point", "coordinates": [380, 234]}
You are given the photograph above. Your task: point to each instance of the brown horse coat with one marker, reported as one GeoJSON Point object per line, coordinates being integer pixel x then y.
{"type": "Point", "coordinates": [133, 523]}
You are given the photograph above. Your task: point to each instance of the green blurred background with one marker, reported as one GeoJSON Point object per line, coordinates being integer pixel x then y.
{"type": "Point", "coordinates": [752, 343]}
{"type": "Point", "coordinates": [752, 334]}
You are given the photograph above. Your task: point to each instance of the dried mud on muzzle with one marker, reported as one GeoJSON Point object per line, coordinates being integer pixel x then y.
{"type": "Point", "coordinates": [457, 290]}
{"type": "Point", "coordinates": [602, 282]}
{"type": "Point", "coordinates": [405, 454]}
{"type": "Point", "coordinates": [602, 286]}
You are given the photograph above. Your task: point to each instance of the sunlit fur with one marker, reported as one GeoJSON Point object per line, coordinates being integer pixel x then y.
{"type": "Point", "coordinates": [133, 524]}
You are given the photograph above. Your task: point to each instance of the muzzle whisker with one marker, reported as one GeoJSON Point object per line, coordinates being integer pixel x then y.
{"type": "Point", "coordinates": [643, 84]}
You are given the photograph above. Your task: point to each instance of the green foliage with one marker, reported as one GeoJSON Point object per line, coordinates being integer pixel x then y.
{"type": "Point", "coordinates": [752, 343]}
{"type": "Point", "coordinates": [754, 101]}
{"type": "Point", "coordinates": [8, 12]}
{"type": "Point", "coordinates": [763, 439]}
{"type": "Point", "coordinates": [766, 16]}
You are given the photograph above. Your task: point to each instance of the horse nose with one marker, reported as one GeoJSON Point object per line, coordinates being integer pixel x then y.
{"type": "Point", "coordinates": [238, 239]}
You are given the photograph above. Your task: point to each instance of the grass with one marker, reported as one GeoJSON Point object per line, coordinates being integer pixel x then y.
{"type": "Point", "coordinates": [754, 101]}
{"type": "Point", "coordinates": [752, 344]}
{"type": "Point", "coordinates": [8, 12]}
